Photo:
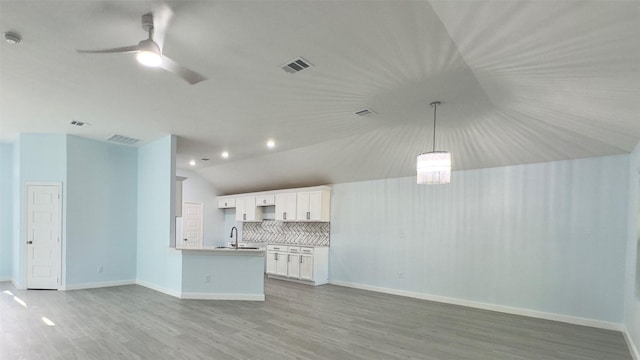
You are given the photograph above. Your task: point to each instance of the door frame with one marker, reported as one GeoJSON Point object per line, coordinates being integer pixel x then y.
{"type": "Point", "coordinates": [25, 232]}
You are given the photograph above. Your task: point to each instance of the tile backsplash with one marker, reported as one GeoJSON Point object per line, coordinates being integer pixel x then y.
{"type": "Point", "coordinates": [292, 233]}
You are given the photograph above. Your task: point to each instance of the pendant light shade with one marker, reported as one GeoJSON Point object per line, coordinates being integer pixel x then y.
{"type": "Point", "coordinates": [434, 167]}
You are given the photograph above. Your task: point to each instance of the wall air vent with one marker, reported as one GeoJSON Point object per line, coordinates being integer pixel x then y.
{"type": "Point", "coordinates": [366, 112]}
{"type": "Point", "coordinates": [296, 65]}
{"type": "Point", "coordinates": [78, 123]}
{"type": "Point", "coordinates": [119, 139]}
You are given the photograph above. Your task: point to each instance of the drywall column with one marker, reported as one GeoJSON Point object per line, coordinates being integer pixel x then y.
{"type": "Point", "coordinates": [159, 266]}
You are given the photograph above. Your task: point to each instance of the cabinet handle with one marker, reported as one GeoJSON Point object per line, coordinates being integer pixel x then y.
{"type": "Point", "coordinates": [29, 242]}
{"type": "Point", "coordinates": [225, 204]}
{"type": "Point", "coordinates": [308, 215]}
{"type": "Point", "coordinates": [244, 216]}
{"type": "Point", "coordinates": [264, 201]}
{"type": "Point", "coordinates": [288, 258]}
{"type": "Point", "coordinates": [186, 240]}
{"type": "Point", "coordinates": [284, 215]}
{"type": "Point", "coordinates": [300, 259]}
{"type": "Point", "coordinates": [275, 256]}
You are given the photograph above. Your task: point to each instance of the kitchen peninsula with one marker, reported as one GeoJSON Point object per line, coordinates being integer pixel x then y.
{"type": "Point", "coordinates": [223, 274]}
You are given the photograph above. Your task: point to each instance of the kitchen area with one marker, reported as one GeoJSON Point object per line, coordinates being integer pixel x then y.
{"type": "Point", "coordinates": [228, 243]}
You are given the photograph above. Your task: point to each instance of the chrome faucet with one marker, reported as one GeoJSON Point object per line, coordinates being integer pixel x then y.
{"type": "Point", "coordinates": [231, 236]}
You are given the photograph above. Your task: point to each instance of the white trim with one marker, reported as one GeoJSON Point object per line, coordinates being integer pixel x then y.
{"type": "Point", "coordinates": [15, 284]}
{"type": "Point", "coordinates": [630, 344]}
{"type": "Point", "coordinates": [492, 307]}
{"type": "Point", "coordinates": [5, 279]}
{"type": "Point", "coordinates": [98, 285]}
{"type": "Point", "coordinates": [210, 296]}
{"type": "Point", "coordinates": [174, 293]}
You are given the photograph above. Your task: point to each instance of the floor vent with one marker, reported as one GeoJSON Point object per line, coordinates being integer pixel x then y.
{"type": "Point", "coordinates": [119, 139]}
{"type": "Point", "coordinates": [78, 123]}
{"type": "Point", "coordinates": [296, 65]}
{"type": "Point", "coordinates": [366, 112]}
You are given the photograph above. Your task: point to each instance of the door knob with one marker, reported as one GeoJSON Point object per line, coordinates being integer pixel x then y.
{"type": "Point", "coordinates": [186, 240]}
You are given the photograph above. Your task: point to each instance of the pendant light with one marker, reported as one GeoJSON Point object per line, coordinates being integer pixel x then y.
{"type": "Point", "coordinates": [434, 167]}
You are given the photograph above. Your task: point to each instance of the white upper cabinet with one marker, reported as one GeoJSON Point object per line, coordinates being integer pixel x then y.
{"type": "Point", "coordinates": [313, 206]}
{"type": "Point", "coordinates": [246, 209]}
{"type": "Point", "coordinates": [301, 204]}
{"type": "Point", "coordinates": [226, 203]}
{"type": "Point", "coordinates": [265, 200]}
{"type": "Point", "coordinates": [285, 206]}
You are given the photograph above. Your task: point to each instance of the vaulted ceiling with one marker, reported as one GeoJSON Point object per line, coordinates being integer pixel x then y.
{"type": "Point", "coordinates": [520, 82]}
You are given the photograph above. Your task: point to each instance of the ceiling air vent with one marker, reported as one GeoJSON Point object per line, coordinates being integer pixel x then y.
{"type": "Point", "coordinates": [119, 139]}
{"type": "Point", "coordinates": [78, 123]}
{"type": "Point", "coordinates": [366, 112]}
{"type": "Point", "coordinates": [296, 65]}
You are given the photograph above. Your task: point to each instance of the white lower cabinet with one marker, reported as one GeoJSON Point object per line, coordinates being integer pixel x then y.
{"type": "Point", "coordinates": [294, 262]}
{"type": "Point", "coordinates": [298, 263]}
{"type": "Point", "coordinates": [277, 259]}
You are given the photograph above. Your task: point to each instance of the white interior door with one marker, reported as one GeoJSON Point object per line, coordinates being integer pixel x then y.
{"type": "Point", "coordinates": [43, 226]}
{"type": "Point", "coordinates": [192, 219]}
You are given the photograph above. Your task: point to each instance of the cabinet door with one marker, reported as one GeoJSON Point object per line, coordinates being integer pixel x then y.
{"type": "Point", "coordinates": [315, 206]}
{"type": "Point", "coordinates": [272, 262]}
{"type": "Point", "coordinates": [285, 207]}
{"type": "Point", "coordinates": [294, 266]}
{"type": "Point", "coordinates": [265, 200]}
{"type": "Point", "coordinates": [306, 267]}
{"type": "Point", "coordinates": [302, 204]}
{"type": "Point", "coordinates": [226, 203]}
{"type": "Point", "coordinates": [241, 209]}
{"type": "Point", "coordinates": [282, 266]}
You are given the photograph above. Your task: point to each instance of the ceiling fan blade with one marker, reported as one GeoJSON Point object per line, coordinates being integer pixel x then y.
{"type": "Point", "coordinates": [189, 76]}
{"type": "Point", "coordinates": [162, 14]}
{"type": "Point", "coordinates": [124, 49]}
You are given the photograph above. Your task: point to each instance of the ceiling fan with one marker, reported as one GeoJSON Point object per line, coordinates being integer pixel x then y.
{"type": "Point", "coordinates": [149, 51]}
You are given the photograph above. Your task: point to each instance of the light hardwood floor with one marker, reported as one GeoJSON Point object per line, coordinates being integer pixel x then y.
{"type": "Point", "coordinates": [295, 322]}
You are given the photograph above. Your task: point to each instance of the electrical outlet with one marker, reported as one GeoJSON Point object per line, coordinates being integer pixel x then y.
{"type": "Point", "coordinates": [400, 275]}
{"type": "Point", "coordinates": [100, 269]}
{"type": "Point", "coordinates": [207, 278]}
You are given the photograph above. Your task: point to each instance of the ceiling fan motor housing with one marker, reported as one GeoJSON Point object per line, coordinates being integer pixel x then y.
{"type": "Point", "coordinates": [147, 22]}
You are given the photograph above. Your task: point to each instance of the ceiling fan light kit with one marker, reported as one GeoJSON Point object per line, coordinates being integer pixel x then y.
{"type": "Point", "coordinates": [434, 167]}
{"type": "Point", "coordinates": [149, 51]}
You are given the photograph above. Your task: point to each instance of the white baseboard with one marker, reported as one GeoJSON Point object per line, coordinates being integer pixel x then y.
{"type": "Point", "coordinates": [486, 306]}
{"type": "Point", "coordinates": [98, 285]}
{"type": "Point", "coordinates": [5, 279]}
{"type": "Point", "coordinates": [172, 292]}
{"type": "Point", "coordinates": [209, 296]}
{"type": "Point", "coordinates": [630, 344]}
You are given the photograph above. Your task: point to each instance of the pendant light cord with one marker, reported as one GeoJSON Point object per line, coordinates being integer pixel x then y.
{"type": "Point", "coordinates": [434, 105]}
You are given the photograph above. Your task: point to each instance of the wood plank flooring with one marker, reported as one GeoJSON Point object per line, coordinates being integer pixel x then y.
{"type": "Point", "coordinates": [295, 322]}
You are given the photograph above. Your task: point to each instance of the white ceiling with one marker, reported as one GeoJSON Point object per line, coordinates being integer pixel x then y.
{"type": "Point", "coordinates": [520, 82]}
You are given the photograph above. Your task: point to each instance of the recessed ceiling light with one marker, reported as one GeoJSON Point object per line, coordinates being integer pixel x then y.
{"type": "Point", "coordinates": [225, 154]}
{"type": "Point", "coordinates": [12, 38]}
{"type": "Point", "coordinates": [192, 163]}
{"type": "Point", "coordinates": [271, 143]}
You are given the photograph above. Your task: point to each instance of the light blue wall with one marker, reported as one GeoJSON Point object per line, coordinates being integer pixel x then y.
{"type": "Point", "coordinates": [6, 211]}
{"type": "Point", "coordinates": [158, 265]}
{"type": "Point", "coordinates": [198, 190]}
{"type": "Point", "coordinates": [546, 237]}
{"type": "Point", "coordinates": [632, 304]}
{"type": "Point", "coordinates": [101, 212]}
{"type": "Point", "coordinates": [42, 158]}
